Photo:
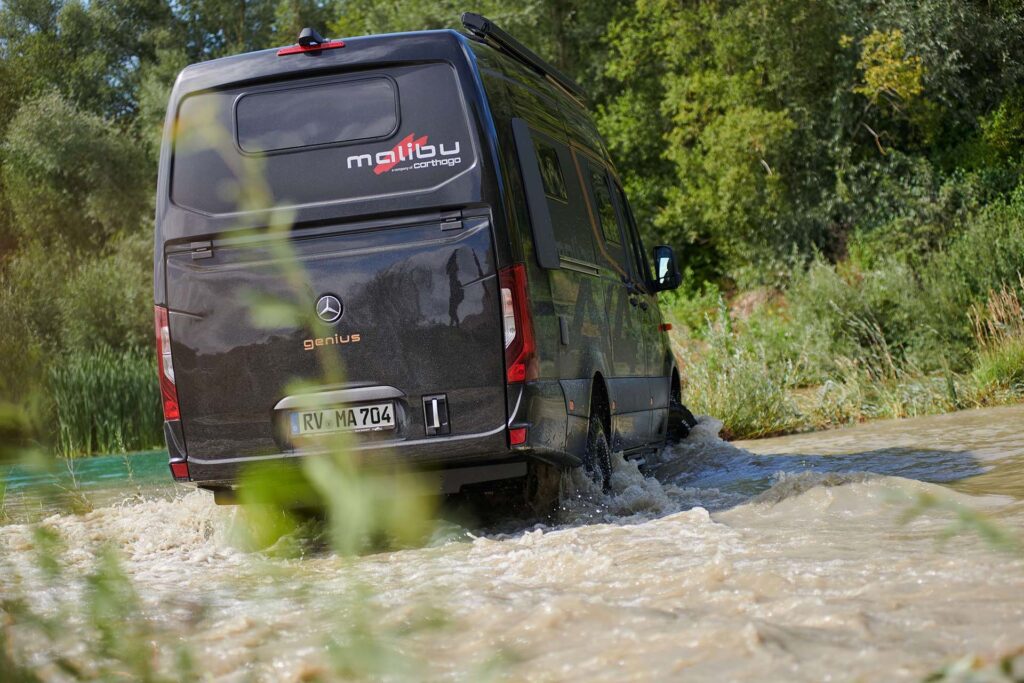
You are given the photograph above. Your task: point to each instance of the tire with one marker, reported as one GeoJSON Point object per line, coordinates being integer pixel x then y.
{"type": "Point", "coordinates": [597, 461]}
{"type": "Point", "coordinates": [541, 488]}
{"type": "Point", "coordinates": [680, 421]}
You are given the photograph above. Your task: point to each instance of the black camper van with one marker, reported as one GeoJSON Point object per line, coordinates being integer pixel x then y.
{"type": "Point", "coordinates": [451, 218]}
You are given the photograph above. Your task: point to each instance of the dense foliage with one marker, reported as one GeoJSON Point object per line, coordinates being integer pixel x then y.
{"type": "Point", "coordinates": [858, 160]}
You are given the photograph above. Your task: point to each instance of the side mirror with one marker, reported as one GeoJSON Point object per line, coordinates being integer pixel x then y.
{"type": "Point", "coordinates": [667, 276]}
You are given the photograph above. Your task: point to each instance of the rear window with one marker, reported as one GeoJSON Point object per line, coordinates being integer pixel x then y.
{"type": "Point", "coordinates": [323, 114]}
{"type": "Point", "coordinates": [322, 139]}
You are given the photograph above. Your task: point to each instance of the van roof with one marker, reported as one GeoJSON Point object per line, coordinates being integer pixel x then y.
{"type": "Point", "coordinates": [365, 50]}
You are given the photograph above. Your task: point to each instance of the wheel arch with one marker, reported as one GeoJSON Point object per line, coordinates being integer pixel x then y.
{"type": "Point", "coordinates": [600, 402]}
{"type": "Point", "coordinates": [675, 387]}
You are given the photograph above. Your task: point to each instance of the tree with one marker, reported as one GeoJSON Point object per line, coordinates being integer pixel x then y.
{"type": "Point", "coordinates": [71, 176]}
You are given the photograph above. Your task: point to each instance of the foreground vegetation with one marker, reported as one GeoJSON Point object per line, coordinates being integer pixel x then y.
{"type": "Point", "coordinates": [843, 179]}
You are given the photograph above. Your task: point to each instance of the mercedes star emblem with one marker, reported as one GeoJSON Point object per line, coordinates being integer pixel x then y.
{"type": "Point", "coordinates": [328, 308]}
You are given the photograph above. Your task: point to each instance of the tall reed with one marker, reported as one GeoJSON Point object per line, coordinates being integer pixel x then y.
{"type": "Point", "coordinates": [106, 401]}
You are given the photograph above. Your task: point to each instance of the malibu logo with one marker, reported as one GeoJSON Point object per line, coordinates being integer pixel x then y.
{"type": "Point", "coordinates": [410, 149]}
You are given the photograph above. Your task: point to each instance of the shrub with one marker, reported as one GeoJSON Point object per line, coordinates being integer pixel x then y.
{"type": "Point", "coordinates": [999, 371]}
{"type": "Point", "coordinates": [71, 175]}
{"type": "Point", "coordinates": [830, 313]}
{"type": "Point", "coordinates": [735, 384]}
{"type": "Point", "coordinates": [988, 254]}
{"type": "Point", "coordinates": [691, 304]}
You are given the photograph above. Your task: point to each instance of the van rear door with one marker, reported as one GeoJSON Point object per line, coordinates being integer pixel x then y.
{"type": "Point", "coordinates": [419, 317]}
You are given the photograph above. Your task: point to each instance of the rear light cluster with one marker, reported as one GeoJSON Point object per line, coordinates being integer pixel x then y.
{"type": "Point", "coordinates": [520, 348]}
{"type": "Point", "coordinates": [168, 392]}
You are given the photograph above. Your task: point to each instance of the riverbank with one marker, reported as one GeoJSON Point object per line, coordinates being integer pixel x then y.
{"type": "Point", "coordinates": [754, 402]}
{"type": "Point", "coordinates": [757, 406]}
{"type": "Point", "coordinates": [874, 335]}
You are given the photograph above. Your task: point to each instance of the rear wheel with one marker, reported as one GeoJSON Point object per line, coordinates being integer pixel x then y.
{"type": "Point", "coordinates": [680, 420]}
{"type": "Point", "coordinates": [597, 461]}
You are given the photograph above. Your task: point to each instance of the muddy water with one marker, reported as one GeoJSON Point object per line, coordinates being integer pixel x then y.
{"type": "Point", "coordinates": [784, 559]}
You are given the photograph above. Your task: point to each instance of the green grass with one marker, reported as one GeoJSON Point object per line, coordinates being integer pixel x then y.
{"type": "Point", "coordinates": [106, 402]}
{"type": "Point", "coordinates": [733, 382]}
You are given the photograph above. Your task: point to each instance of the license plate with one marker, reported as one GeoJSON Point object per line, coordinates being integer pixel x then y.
{"type": "Point", "coordinates": [377, 417]}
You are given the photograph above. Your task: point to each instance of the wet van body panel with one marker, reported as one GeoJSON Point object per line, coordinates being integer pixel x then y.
{"type": "Point", "coordinates": [385, 176]}
{"type": "Point", "coordinates": [401, 312]}
{"type": "Point", "coordinates": [590, 322]}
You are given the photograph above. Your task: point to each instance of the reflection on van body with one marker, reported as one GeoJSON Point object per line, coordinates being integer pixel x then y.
{"type": "Point", "coordinates": [452, 194]}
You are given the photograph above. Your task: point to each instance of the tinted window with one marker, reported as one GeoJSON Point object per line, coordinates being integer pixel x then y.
{"type": "Point", "coordinates": [608, 218]}
{"type": "Point", "coordinates": [566, 200]}
{"type": "Point", "coordinates": [316, 115]}
{"type": "Point", "coordinates": [640, 260]}
{"type": "Point", "coordinates": [551, 171]}
{"type": "Point", "coordinates": [605, 208]}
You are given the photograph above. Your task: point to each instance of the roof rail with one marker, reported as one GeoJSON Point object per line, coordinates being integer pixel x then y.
{"type": "Point", "coordinates": [485, 29]}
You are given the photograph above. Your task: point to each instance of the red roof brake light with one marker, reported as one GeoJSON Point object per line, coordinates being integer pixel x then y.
{"type": "Point", "coordinates": [310, 41]}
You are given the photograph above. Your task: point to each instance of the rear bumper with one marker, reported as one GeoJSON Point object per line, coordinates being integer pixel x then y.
{"type": "Point", "coordinates": [427, 454]}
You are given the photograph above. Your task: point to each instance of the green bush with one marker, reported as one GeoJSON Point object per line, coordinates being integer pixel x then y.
{"type": "Point", "coordinates": [884, 338]}
{"type": "Point", "coordinates": [829, 313]}
{"type": "Point", "coordinates": [691, 304]}
{"type": "Point", "coordinates": [1000, 370]}
{"type": "Point", "coordinates": [987, 255]}
{"type": "Point", "coordinates": [736, 385]}
{"type": "Point", "coordinates": [106, 401]}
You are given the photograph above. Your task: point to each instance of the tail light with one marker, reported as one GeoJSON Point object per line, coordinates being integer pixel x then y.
{"type": "Point", "coordinates": [168, 392]}
{"type": "Point", "coordinates": [520, 349]}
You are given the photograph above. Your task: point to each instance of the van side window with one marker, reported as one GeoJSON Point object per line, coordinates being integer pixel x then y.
{"type": "Point", "coordinates": [551, 171]}
{"type": "Point", "coordinates": [605, 208]}
{"type": "Point", "coordinates": [643, 269]}
{"type": "Point", "coordinates": [566, 200]}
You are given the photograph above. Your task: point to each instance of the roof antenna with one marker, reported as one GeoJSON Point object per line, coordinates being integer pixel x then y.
{"type": "Point", "coordinates": [309, 37]}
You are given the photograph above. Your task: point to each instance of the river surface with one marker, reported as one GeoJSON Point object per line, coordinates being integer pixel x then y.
{"type": "Point", "coordinates": [781, 559]}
